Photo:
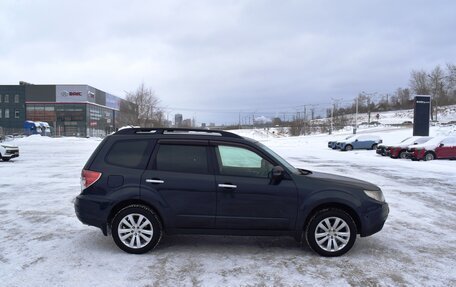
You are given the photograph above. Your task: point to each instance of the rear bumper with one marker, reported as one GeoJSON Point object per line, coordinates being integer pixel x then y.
{"type": "Point", "coordinates": [92, 211]}
{"type": "Point", "coordinates": [373, 220]}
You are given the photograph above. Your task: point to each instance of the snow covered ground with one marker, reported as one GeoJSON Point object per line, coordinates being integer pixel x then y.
{"type": "Point", "coordinates": [42, 243]}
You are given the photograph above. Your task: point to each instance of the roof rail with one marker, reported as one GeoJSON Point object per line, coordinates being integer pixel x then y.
{"type": "Point", "coordinates": [175, 131]}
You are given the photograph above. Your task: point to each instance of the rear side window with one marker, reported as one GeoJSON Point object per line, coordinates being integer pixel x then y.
{"type": "Point", "coordinates": [128, 153]}
{"type": "Point", "coordinates": [182, 158]}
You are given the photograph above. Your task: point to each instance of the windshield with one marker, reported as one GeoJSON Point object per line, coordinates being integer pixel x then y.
{"type": "Point", "coordinates": [405, 140]}
{"type": "Point", "coordinates": [279, 159]}
{"type": "Point", "coordinates": [423, 140]}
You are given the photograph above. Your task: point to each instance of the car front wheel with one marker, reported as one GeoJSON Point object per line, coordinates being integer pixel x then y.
{"type": "Point", "coordinates": [348, 147]}
{"type": "Point", "coordinates": [403, 154]}
{"type": "Point", "coordinates": [136, 229]}
{"type": "Point", "coordinates": [331, 232]}
{"type": "Point", "coordinates": [429, 156]}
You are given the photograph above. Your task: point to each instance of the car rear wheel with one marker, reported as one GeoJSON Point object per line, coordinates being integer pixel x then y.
{"type": "Point", "coordinates": [331, 232]}
{"type": "Point", "coordinates": [136, 229]}
{"type": "Point", "coordinates": [429, 156]}
{"type": "Point", "coordinates": [348, 147]}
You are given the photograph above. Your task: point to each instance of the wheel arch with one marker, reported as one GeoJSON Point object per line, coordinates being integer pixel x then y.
{"type": "Point", "coordinates": [122, 204]}
{"type": "Point", "coordinates": [328, 205]}
{"type": "Point", "coordinates": [430, 152]}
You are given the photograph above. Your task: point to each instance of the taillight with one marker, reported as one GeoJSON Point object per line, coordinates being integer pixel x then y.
{"type": "Point", "coordinates": [88, 178]}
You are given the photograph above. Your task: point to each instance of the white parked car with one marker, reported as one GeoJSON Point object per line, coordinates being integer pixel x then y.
{"type": "Point", "coordinates": [8, 152]}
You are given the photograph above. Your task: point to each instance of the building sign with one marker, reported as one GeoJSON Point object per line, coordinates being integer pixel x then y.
{"type": "Point", "coordinates": [112, 102]}
{"type": "Point", "coordinates": [421, 113]}
{"type": "Point", "coordinates": [72, 93]}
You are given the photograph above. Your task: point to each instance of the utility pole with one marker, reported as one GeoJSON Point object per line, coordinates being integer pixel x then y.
{"type": "Point", "coordinates": [332, 116]}
{"type": "Point", "coordinates": [369, 96]}
{"type": "Point", "coordinates": [356, 117]}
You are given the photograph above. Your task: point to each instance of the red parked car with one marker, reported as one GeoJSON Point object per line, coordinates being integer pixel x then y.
{"type": "Point", "coordinates": [436, 148]}
{"type": "Point", "coordinates": [400, 150]}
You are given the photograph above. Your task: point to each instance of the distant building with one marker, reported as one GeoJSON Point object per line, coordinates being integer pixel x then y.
{"type": "Point", "coordinates": [187, 123]}
{"type": "Point", "coordinates": [203, 125]}
{"type": "Point", "coordinates": [178, 120]}
{"type": "Point", "coordinates": [70, 110]}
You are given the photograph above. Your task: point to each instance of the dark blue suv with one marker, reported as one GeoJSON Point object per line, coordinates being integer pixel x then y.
{"type": "Point", "coordinates": [140, 183]}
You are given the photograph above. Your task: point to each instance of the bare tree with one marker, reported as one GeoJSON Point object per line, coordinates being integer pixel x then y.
{"type": "Point", "coordinates": [419, 82]}
{"type": "Point", "coordinates": [147, 112]}
{"type": "Point", "coordinates": [451, 83]}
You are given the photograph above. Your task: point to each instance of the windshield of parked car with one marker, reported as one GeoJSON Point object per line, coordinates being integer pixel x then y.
{"type": "Point", "coordinates": [423, 140]}
{"type": "Point", "coordinates": [406, 140]}
{"type": "Point", "coordinates": [277, 157]}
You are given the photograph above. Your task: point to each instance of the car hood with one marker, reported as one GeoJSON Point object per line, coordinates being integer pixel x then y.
{"type": "Point", "coordinates": [7, 145]}
{"type": "Point", "coordinates": [333, 180]}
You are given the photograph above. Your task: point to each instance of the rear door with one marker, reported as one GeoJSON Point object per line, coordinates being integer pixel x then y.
{"type": "Point", "coordinates": [245, 197]}
{"type": "Point", "coordinates": [179, 171]}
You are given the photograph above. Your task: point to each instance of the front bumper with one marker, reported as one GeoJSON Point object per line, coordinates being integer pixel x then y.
{"type": "Point", "coordinates": [374, 219]}
{"type": "Point", "coordinates": [11, 153]}
{"type": "Point", "coordinates": [416, 154]}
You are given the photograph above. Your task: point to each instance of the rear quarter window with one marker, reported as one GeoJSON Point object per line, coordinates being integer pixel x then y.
{"type": "Point", "coordinates": [128, 153]}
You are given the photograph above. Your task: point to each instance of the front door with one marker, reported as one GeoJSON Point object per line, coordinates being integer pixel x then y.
{"type": "Point", "coordinates": [245, 197]}
{"type": "Point", "coordinates": [446, 148]}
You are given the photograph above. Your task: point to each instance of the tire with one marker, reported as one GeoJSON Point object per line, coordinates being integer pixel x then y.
{"type": "Point", "coordinates": [348, 147]}
{"type": "Point", "coordinates": [6, 158]}
{"type": "Point", "coordinates": [374, 147]}
{"type": "Point", "coordinates": [429, 156]}
{"type": "Point", "coordinates": [331, 242]}
{"type": "Point", "coordinates": [403, 154]}
{"type": "Point", "coordinates": [136, 229]}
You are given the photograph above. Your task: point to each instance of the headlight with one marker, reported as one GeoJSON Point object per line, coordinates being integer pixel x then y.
{"type": "Point", "coordinates": [375, 194]}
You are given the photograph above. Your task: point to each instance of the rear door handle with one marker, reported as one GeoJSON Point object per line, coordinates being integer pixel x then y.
{"type": "Point", "coordinates": [155, 181]}
{"type": "Point", "coordinates": [225, 185]}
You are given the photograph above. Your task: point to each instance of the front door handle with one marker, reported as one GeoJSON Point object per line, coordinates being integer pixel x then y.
{"type": "Point", "coordinates": [225, 185]}
{"type": "Point", "coordinates": [155, 181]}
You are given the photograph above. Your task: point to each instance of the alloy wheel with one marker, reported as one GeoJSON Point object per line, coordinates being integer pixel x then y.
{"type": "Point", "coordinates": [332, 234]}
{"type": "Point", "coordinates": [135, 230]}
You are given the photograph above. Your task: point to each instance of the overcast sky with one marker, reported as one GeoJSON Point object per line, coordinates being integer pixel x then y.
{"type": "Point", "coordinates": [212, 59]}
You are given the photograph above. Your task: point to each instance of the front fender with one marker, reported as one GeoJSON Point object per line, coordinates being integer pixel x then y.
{"type": "Point", "coordinates": [326, 198]}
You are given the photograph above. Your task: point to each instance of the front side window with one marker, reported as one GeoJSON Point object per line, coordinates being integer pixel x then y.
{"type": "Point", "coordinates": [128, 153]}
{"type": "Point", "coordinates": [182, 158]}
{"type": "Point", "coordinates": [238, 161]}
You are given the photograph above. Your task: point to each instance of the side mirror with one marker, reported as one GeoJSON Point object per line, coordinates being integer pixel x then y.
{"type": "Point", "coordinates": [441, 145]}
{"type": "Point", "coordinates": [356, 140]}
{"type": "Point", "coordinates": [277, 175]}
